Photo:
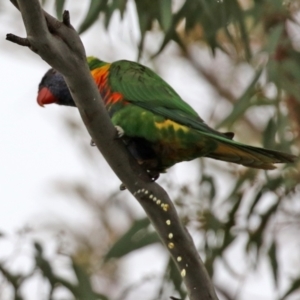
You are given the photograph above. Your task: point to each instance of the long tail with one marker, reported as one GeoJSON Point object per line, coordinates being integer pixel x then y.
{"type": "Point", "coordinates": [249, 156]}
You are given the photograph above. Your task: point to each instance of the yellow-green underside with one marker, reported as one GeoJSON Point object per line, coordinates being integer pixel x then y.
{"type": "Point", "coordinates": [178, 142]}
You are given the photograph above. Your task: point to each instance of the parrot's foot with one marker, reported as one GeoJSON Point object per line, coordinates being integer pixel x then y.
{"type": "Point", "coordinates": [120, 132]}
{"type": "Point", "coordinates": [122, 187]}
{"type": "Point", "coordinates": [154, 175]}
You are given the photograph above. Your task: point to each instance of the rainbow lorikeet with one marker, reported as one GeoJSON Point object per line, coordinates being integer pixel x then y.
{"type": "Point", "coordinates": [160, 129]}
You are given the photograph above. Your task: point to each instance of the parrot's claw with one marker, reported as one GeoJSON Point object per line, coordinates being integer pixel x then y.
{"type": "Point", "coordinates": [120, 131]}
{"type": "Point", "coordinates": [92, 143]}
{"type": "Point", "coordinates": [122, 187]}
{"type": "Point", "coordinates": [153, 175]}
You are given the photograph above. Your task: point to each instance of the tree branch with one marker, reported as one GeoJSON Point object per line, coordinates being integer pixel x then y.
{"type": "Point", "coordinates": [60, 46]}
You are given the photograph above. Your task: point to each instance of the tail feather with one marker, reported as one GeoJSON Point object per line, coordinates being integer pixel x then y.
{"type": "Point", "coordinates": [250, 156]}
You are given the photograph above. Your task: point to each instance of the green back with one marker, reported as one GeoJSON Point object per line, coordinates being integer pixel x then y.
{"type": "Point", "coordinates": [140, 84]}
{"type": "Point", "coordinates": [144, 88]}
{"type": "Point", "coordinates": [95, 63]}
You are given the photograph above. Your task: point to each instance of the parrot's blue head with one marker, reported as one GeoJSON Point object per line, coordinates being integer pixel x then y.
{"type": "Point", "coordinates": [53, 89]}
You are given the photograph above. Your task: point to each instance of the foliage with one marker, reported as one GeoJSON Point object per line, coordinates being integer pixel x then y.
{"type": "Point", "coordinates": [259, 208]}
{"type": "Point", "coordinates": [81, 289]}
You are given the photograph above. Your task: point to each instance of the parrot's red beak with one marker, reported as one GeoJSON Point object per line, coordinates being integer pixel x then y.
{"type": "Point", "coordinates": [45, 97]}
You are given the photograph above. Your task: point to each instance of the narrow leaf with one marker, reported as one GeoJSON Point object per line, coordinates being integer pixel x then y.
{"type": "Point", "coordinates": [84, 289]}
{"type": "Point", "coordinates": [59, 7]}
{"type": "Point", "coordinates": [115, 5]}
{"type": "Point", "coordinates": [242, 104]}
{"type": "Point", "coordinates": [269, 134]}
{"type": "Point", "coordinates": [295, 285]}
{"type": "Point", "coordinates": [273, 260]}
{"type": "Point", "coordinates": [96, 6]}
{"type": "Point", "coordinates": [176, 278]}
{"type": "Point", "coordinates": [136, 237]}
{"type": "Point", "coordinates": [256, 199]}
{"type": "Point", "coordinates": [239, 14]}
{"type": "Point", "coordinates": [165, 9]}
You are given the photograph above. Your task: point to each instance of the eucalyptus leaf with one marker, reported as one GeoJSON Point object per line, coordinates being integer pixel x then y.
{"type": "Point", "coordinates": [272, 253]}
{"type": "Point", "coordinates": [59, 7]}
{"type": "Point", "coordinates": [136, 237]}
{"type": "Point", "coordinates": [242, 104]}
{"type": "Point", "coordinates": [165, 15]}
{"type": "Point", "coordinates": [95, 7]}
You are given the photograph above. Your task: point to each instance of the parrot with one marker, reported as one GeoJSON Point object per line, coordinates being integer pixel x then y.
{"type": "Point", "coordinates": [157, 126]}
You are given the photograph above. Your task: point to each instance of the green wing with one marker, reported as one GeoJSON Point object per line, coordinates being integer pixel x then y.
{"type": "Point", "coordinates": [141, 86]}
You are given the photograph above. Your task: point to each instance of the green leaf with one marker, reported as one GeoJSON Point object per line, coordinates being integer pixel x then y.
{"type": "Point", "coordinates": [285, 82]}
{"type": "Point", "coordinates": [273, 72]}
{"type": "Point", "coordinates": [210, 181]}
{"type": "Point", "coordinates": [165, 9]}
{"type": "Point", "coordinates": [116, 4]}
{"type": "Point", "coordinates": [240, 17]}
{"type": "Point", "coordinates": [274, 38]}
{"type": "Point", "coordinates": [242, 104]}
{"type": "Point", "coordinates": [295, 285]}
{"type": "Point", "coordinates": [136, 237]}
{"type": "Point", "coordinates": [171, 35]}
{"type": "Point", "coordinates": [272, 253]}
{"type": "Point", "coordinates": [269, 134]}
{"type": "Point", "coordinates": [273, 65]}
{"type": "Point", "coordinates": [211, 19]}
{"type": "Point", "coordinates": [237, 201]}
{"type": "Point", "coordinates": [226, 232]}
{"type": "Point", "coordinates": [211, 255]}
{"type": "Point", "coordinates": [248, 175]}
{"type": "Point", "coordinates": [59, 7]}
{"type": "Point", "coordinates": [43, 264]}
{"type": "Point", "coordinates": [147, 11]}
{"type": "Point", "coordinates": [15, 280]}
{"type": "Point", "coordinates": [256, 236]}
{"type": "Point", "coordinates": [274, 183]}
{"type": "Point", "coordinates": [175, 278]}
{"type": "Point", "coordinates": [256, 199]}
{"type": "Point", "coordinates": [96, 6]}
{"type": "Point", "coordinates": [211, 222]}
{"type": "Point", "coordinates": [84, 288]}
{"type": "Point", "coordinates": [289, 66]}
